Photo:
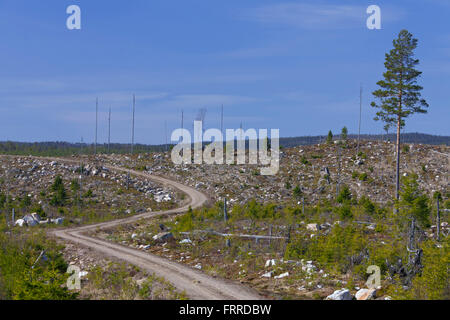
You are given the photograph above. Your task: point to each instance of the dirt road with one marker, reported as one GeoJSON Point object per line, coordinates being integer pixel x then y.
{"type": "Point", "coordinates": [195, 283]}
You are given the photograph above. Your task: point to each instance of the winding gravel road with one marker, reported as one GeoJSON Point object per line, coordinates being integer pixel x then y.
{"type": "Point", "coordinates": [196, 284]}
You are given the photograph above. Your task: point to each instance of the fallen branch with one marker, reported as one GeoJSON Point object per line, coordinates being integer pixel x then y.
{"type": "Point", "coordinates": [233, 235]}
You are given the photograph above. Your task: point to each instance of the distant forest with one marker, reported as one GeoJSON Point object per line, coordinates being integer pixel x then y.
{"type": "Point", "coordinates": [67, 148]}
{"type": "Point", "coordinates": [405, 138]}
{"type": "Point", "coordinates": [47, 149]}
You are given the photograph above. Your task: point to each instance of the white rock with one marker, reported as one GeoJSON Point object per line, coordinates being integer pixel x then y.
{"type": "Point", "coordinates": [365, 294]}
{"type": "Point", "coordinates": [20, 222]}
{"type": "Point", "coordinates": [30, 220]}
{"type": "Point", "coordinates": [267, 275]}
{"type": "Point", "coordinates": [313, 227]}
{"type": "Point", "coordinates": [371, 226]}
{"type": "Point", "coordinates": [188, 241]}
{"type": "Point", "coordinates": [36, 216]}
{"type": "Point", "coordinates": [270, 262]}
{"type": "Point", "coordinates": [57, 220]}
{"type": "Point", "coordinates": [283, 275]}
{"type": "Point", "coordinates": [343, 294]}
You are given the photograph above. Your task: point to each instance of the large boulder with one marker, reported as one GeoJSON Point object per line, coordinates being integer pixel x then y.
{"type": "Point", "coordinates": [343, 294]}
{"type": "Point", "coordinates": [30, 220]}
{"type": "Point", "coordinates": [365, 294]}
{"type": "Point", "coordinates": [36, 216]}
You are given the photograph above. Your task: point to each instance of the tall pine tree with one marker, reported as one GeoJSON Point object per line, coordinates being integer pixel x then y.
{"type": "Point", "coordinates": [399, 94]}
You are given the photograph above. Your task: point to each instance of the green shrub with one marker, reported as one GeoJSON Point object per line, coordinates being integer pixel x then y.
{"type": "Point", "coordinates": [367, 205]}
{"type": "Point", "coordinates": [344, 195]}
{"type": "Point", "coordinates": [363, 176]}
{"type": "Point", "coordinates": [24, 277]}
{"type": "Point", "coordinates": [304, 160]}
{"type": "Point", "coordinates": [333, 250]}
{"type": "Point", "coordinates": [88, 194]}
{"type": "Point", "coordinates": [344, 211]}
{"type": "Point", "coordinates": [413, 203]}
{"type": "Point", "coordinates": [405, 148]}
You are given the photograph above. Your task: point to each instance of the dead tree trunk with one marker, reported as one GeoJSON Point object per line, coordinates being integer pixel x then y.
{"type": "Point", "coordinates": [303, 205]}
{"type": "Point", "coordinates": [225, 215]}
{"type": "Point", "coordinates": [270, 235]}
{"type": "Point", "coordinates": [411, 246]}
{"type": "Point", "coordinates": [438, 221]}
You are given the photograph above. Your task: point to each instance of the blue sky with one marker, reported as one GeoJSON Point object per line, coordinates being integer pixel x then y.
{"type": "Point", "coordinates": [296, 66]}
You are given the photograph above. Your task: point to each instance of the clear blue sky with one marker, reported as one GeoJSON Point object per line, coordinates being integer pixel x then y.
{"type": "Point", "coordinates": [296, 66]}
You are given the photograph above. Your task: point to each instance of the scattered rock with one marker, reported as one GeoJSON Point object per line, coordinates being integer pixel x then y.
{"type": "Point", "coordinates": [163, 237]}
{"type": "Point", "coordinates": [343, 294]}
{"type": "Point", "coordinates": [283, 275]}
{"type": "Point", "coordinates": [365, 294]}
{"type": "Point", "coordinates": [270, 262]}
{"type": "Point", "coordinates": [313, 227]}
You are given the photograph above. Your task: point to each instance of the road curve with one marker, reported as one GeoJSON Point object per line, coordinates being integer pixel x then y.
{"type": "Point", "coordinates": [196, 284]}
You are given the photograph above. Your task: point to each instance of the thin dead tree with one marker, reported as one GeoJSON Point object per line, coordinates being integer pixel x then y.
{"type": "Point", "coordinates": [96, 125]}
{"type": "Point", "coordinates": [132, 125]}
{"type": "Point", "coordinates": [201, 115]}
{"type": "Point", "coordinates": [360, 112]}
{"type": "Point", "coordinates": [132, 137]}
{"type": "Point", "coordinates": [81, 172]}
{"type": "Point", "coordinates": [338, 180]}
{"type": "Point", "coordinates": [109, 130]}
{"type": "Point", "coordinates": [438, 197]}
{"type": "Point", "coordinates": [165, 133]}
{"type": "Point", "coordinates": [225, 213]}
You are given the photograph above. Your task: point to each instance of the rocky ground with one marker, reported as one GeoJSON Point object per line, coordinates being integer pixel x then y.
{"type": "Point", "coordinates": [261, 264]}
{"type": "Point", "coordinates": [109, 279]}
{"type": "Point", "coordinates": [103, 191]}
{"type": "Point", "coordinates": [316, 169]}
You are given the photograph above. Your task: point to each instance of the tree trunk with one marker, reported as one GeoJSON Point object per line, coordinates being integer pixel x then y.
{"type": "Point", "coordinates": [399, 123]}
{"type": "Point", "coordinates": [411, 243]}
{"type": "Point", "coordinates": [225, 214]}
{"type": "Point", "coordinates": [438, 221]}
{"type": "Point", "coordinates": [397, 179]}
{"type": "Point", "coordinates": [303, 205]}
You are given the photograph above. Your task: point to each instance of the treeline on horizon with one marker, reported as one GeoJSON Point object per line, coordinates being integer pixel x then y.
{"type": "Point", "coordinates": [68, 149]}
{"type": "Point", "coordinates": [413, 137]}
